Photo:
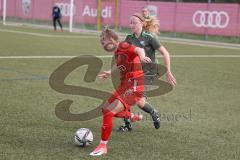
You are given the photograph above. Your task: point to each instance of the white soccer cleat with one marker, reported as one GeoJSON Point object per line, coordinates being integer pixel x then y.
{"type": "Point", "coordinates": [100, 150]}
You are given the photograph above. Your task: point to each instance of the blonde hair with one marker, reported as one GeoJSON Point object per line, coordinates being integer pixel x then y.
{"type": "Point", "coordinates": [152, 25]}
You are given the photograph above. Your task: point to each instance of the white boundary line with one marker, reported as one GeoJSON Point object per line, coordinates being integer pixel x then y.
{"type": "Point", "coordinates": [165, 39]}
{"type": "Point", "coordinates": [45, 35]}
{"type": "Point", "coordinates": [198, 43]}
{"type": "Point", "coordinates": [110, 56]}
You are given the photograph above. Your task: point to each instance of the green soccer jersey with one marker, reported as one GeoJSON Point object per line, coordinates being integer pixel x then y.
{"type": "Point", "coordinates": [150, 43]}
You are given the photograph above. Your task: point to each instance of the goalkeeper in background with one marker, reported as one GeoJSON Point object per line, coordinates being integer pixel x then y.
{"type": "Point", "coordinates": [56, 14]}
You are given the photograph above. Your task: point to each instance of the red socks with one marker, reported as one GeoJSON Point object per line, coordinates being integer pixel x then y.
{"type": "Point", "coordinates": [107, 124]}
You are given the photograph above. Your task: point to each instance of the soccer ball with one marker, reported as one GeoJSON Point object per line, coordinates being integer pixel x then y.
{"type": "Point", "coordinates": [83, 137]}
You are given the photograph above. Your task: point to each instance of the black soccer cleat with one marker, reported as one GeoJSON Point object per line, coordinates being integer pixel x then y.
{"type": "Point", "coordinates": [126, 127]}
{"type": "Point", "coordinates": [156, 119]}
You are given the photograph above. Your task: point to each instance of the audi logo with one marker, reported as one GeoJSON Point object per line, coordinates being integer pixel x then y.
{"type": "Point", "coordinates": [66, 8]}
{"type": "Point", "coordinates": [210, 19]}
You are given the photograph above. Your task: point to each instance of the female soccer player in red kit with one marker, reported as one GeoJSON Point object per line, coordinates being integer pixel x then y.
{"type": "Point", "coordinates": [128, 60]}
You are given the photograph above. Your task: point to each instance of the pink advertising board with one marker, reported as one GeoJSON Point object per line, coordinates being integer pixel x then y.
{"type": "Point", "coordinates": [200, 18]}
{"type": "Point", "coordinates": [231, 14]}
{"type": "Point", "coordinates": [1, 5]}
{"type": "Point", "coordinates": [164, 11]}
{"type": "Point", "coordinates": [86, 11]}
{"type": "Point", "coordinates": [29, 9]}
{"type": "Point", "coordinates": [215, 19]}
{"type": "Point", "coordinates": [11, 8]}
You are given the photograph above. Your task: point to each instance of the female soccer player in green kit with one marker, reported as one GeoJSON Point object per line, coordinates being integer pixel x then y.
{"type": "Point", "coordinates": [144, 35]}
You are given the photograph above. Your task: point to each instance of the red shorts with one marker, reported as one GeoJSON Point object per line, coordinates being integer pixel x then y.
{"type": "Point", "coordinates": [129, 92]}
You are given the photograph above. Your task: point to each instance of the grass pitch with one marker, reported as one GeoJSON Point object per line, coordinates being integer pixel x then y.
{"type": "Point", "coordinates": [200, 117]}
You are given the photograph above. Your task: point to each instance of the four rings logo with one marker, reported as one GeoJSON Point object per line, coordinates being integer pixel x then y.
{"type": "Point", "coordinates": [66, 8]}
{"type": "Point", "coordinates": [212, 19]}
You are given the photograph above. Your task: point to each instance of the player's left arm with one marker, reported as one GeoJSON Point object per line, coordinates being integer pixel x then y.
{"type": "Point", "coordinates": [166, 58]}
{"type": "Point", "coordinates": [167, 61]}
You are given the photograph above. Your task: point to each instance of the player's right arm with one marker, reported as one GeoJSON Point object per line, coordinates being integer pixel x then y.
{"type": "Point", "coordinates": [106, 74]}
{"type": "Point", "coordinates": [141, 54]}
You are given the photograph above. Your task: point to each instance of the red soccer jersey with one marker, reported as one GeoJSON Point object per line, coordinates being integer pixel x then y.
{"type": "Point", "coordinates": [128, 61]}
{"type": "Point", "coordinates": [131, 87]}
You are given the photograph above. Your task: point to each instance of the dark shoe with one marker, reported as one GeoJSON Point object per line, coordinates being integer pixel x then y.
{"type": "Point", "coordinates": [126, 127]}
{"type": "Point", "coordinates": [156, 119]}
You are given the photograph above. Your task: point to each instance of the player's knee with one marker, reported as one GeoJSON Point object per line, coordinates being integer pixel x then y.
{"type": "Point", "coordinates": [105, 106]}
{"type": "Point", "coordinates": [104, 110]}
{"type": "Point", "coordinates": [107, 113]}
{"type": "Point", "coordinates": [141, 102]}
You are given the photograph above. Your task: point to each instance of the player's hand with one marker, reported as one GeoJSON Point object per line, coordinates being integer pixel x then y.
{"type": "Point", "coordinates": [146, 60]}
{"type": "Point", "coordinates": [171, 79]}
{"type": "Point", "coordinates": [104, 75]}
